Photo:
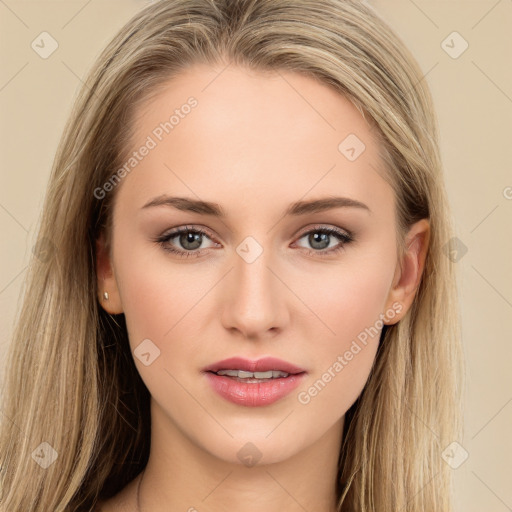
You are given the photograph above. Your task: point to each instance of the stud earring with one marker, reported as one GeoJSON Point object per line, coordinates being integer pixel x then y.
{"type": "Point", "coordinates": [105, 295]}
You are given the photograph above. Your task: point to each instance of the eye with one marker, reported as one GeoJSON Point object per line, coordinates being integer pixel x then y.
{"type": "Point", "coordinates": [187, 237]}
{"type": "Point", "coordinates": [320, 238]}
{"type": "Point", "coordinates": [191, 238]}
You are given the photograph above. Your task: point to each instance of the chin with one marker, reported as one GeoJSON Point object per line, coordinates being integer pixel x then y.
{"type": "Point", "coordinates": [250, 448]}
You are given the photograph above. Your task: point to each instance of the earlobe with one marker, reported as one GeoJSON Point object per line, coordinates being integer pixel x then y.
{"type": "Point", "coordinates": [108, 293]}
{"type": "Point", "coordinates": [407, 277]}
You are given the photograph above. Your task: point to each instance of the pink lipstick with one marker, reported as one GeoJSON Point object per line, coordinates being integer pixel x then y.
{"type": "Point", "coordinates": [253, 383]}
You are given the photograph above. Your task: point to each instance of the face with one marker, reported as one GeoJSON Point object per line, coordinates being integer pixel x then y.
{"type": "Point", "coordinates": [256, 272]}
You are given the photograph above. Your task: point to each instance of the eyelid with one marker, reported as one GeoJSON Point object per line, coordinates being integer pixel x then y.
{"type": "Point", "coordinates": [324, 227]}
{"type": "Point", "coordinates": [171, 233]}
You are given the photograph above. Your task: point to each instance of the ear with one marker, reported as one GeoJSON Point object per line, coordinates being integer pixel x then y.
{"type": "Point", "coordinates": [407, 276]}
{"type": "Point", "coordinates": [106, 279]}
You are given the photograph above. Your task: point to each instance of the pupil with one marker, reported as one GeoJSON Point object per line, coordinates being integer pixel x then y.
{"type": "Point", "coordinates": [190, 238]}
{"type": "Point", "coordinates": [317, 238]}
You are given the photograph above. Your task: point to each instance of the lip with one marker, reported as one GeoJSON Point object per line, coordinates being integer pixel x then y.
{"type": "Point", "coordinates": [261, 365]}
{"type": "Point", "coordinates": [254, 394]}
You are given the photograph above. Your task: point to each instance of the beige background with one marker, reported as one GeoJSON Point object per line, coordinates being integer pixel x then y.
{"type": "Point", "coordinates": [473, 95]}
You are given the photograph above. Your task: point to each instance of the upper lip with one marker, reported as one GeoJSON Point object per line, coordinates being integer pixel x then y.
{"type": "Point", "coordinates": [261, 365]}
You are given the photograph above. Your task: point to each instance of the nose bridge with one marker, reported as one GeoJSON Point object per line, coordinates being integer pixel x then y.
{"type": "Point", "coordinates": [255, 304]}
{"type": "Point", "coordinates": [253, 286]}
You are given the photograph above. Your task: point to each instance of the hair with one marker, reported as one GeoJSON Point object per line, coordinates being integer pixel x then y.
{"type": "Point", "coordinates": [70, 377]}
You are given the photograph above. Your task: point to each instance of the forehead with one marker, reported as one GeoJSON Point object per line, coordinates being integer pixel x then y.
{"type": "Point", "coordinates": [234, 131]}
{"type": "Point", "coordinates": [286, 103]}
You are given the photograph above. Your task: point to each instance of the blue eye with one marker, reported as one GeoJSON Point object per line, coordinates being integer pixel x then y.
{"type": "Point", "coordinates": [191, 238]}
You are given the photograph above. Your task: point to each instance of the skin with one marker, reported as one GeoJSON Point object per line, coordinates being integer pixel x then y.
{"type": "Point", "coordinates": [255, 143]}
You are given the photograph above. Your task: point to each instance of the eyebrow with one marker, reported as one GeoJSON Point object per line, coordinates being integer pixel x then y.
{"type": "Point", "coordinates": [295, 209]}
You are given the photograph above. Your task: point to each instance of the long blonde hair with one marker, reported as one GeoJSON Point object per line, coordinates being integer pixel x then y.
{"type": "Point", "coordinates": [71, 381]}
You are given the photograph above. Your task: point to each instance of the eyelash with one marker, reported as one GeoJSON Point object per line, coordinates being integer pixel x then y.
{"type": "Point", "coordinates": [344, 237]}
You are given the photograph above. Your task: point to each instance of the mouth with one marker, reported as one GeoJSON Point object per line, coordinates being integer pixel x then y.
{"type": "Point", "coordinates": [258, 369]}
{"type": "Point", "coordinates": [253, 383]}
{"type": "Point", "coordinates": [252, 377]}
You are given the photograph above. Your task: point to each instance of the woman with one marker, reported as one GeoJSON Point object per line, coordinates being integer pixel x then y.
{"type": "Point", "coordinates": [239, 298]}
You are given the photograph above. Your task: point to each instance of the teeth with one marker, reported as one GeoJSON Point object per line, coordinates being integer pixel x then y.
{"type": "Point", "coordinates": [242, 374]}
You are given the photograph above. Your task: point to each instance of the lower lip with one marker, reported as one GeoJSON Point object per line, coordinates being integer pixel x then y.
{"type": "Point", "coordinates": [253, 394]}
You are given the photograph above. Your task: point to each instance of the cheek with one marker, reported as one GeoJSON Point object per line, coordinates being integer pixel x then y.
{"type": "Point", "coordinates": [339, 381]}
{"type": "Point", "coordinates": [351, 303]}
{"type": "Point", "coordinates": [156, 292]}
{"type": "Point", "coordinates": [160, 303]}
{"type": "Point", "coordinates": [342, 360]}
{"type": "Point", "coordinates": [346, 299]}
{"type": "Point", "coordinates": [146, 309]}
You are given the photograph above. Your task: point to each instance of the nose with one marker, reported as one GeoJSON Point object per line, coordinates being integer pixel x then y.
{"type": "Point", "coordinates": [254, 299]}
